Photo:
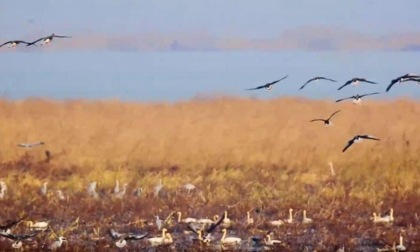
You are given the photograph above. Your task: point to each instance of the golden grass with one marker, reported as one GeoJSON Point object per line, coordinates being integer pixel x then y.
{"type": "Point", "coordinates": [240, 153]}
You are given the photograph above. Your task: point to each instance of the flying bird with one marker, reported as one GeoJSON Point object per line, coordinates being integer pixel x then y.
{"type": "Point", "coordinates": [356, 81]}
{"type": "Point", "coordinates": [14, 43]}
{"type": "Point", "coordinates": [268, 86]}
{"type": "Point", "coordinates": [358, 139]}
{"type": "Point", "coordinates": [316, 79]}
{"type": "Point", "coordinates": [30, 145]}
{"type": "Point", "coordinates": [357, 99]}
{"type": "Point", "coordinates": [123, 238]}
{"type": "Point", "coordinates": [47, 40]}
{"type": "Point", "coordinates": [327, 122]}
{"type": "Point", "coordinates": [404, 78]}
{"type": "Point", "coordinates": [17, 244]}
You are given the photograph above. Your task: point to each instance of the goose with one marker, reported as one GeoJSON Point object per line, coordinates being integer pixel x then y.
{"type": "Point", "coordinates": [403, 78]}
{"type": "Point", "coordinates": [290, 219]}
{"type": "Point", "coordinates": [355, 81]}
{"type": "Point", "coordinates": [30, 145]}
{"type": "Point", "coordinates": [46, 40]}
{"type": "Point", "coordinates": [384, 219]}
{"type": "Point", "coordinates": [358, 139]}
{"type": "Point", "coordinates": [270, 242]}
{"type": "Point", "coordinates": [229, 240]}
{"type": "Point", "coordinates": [357, 99]}
{"type": "Point", "coordinates": [60, 195]}
{"type": "Point", "coordinates": [44, 188]}
{"type": "Point", "coordinates": [226, 221]}
{"type": "Point", "coordinates": [276, 223]}
{"type": "Point", "coordinates": [400, 246]}
{"type": "Point", "coordinates": [57, 244]}
{"type": "Point", "coordinates": [121, 194]}
{"type": "Point", "coordinates": [316, 79]}
{"type": "Point", "coordinates": [38, 226]}
{"type": "Point", "coordinates": [269, 85]}
{"type": "Point", "coordinates": [327, 122]}
{"type": "Point", "coordinates": [249, 220]}
{"type": "Point", "coordinates": [186, 220]}
{"type": "Point", "coordinates": [17, 244]}
{"type": "Point", "coordinates": [189, 187]}
{"type": "Point", "coordinates": [117, 187]}
{"type": "Point", "coordinates": [166, 238]}
{"type": "Point", "coordinates": [305, 219]}
{"type": "Point", "coordinates": [14, 43]}
{"type": "Point", "coordinates": [92, 190]}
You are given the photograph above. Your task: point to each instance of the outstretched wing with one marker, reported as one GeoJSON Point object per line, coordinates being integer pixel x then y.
{"type": "Point", "coordinates": [6, 43]}
{"type": "Point", "coordinates": [306, 83]}
{"type": "Point", "coordinates": [328, 79]}
{"type": "Point", "coordinates": [315, 120]}
{"type": "Point", "coordinates": [214, 225]}
{"type": "Point", "coordinates": [392, 84]}
{"type": "Point", "coordinates": [333, 114]}
{"type": "Point", "coordinates": [367, 81]}
{"type": "Point", "coordinates": [132, 236]}
{"type": "Point", "coordinates": [339, 100]}
{"type": "Point", "coordinates": [369, 137]}
{"type": "Point", "coordinates": [34, 42]}
{"type": "Point", "coordinates": [11, 224]}
{"type": "Point", "coordinates": [255, 88]}
{"type": "Point", "coordinates": [58, 36]}
{"type": "Point", "coordinates": [349, 143]}
{"type": "Point", "coordinates": [369, 94]}
{"type": "Point", "coordinates": [114, 234]}
{"type": "Point", "coordinates": [345, 84]}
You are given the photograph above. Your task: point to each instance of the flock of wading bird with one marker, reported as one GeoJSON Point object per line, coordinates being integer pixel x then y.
{"type": "Point", "coordinates": [200, 230]}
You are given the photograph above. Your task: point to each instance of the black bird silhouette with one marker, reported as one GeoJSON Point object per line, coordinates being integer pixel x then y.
{"type": "Point", "coordinates": [358, 139]}
{"type": "Point", "coordinates": [316, 79]}
{"type": "Point", "coordinates": [14, 43]}
{"type": "Point", "coordinates": [209, 230]}
{"type": "Point", "coordinates": [404, 78]}
{"type": "Point", "coordinates": [18, 238]}
{"type": "Point", "coordinates": [268, 86]}
{"type": "Point", "coordinates": [46, 40]}
{"type": "Point", "coordinates": [356, 98]}
{"type": "Point", "coordinates": [6, 227]}
{"type": "Point", "coordinates": [355, 81]}
{"type": "Point", "coordinates": [130, 236]}
{"type": "Point", "coordinates": [327, 122]}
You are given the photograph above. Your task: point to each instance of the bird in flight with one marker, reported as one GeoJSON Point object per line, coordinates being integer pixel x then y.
{"type": "Point", "coordinates": [47, 40]}
{"type": "Point", "coordinates": [17, 238]}
{"type": "Point", "coordinates": [357, 99]}
{"type": "Point", "coordinates": [327, 122]}
{"type": "Point", "coordinates": [30, 145]}
{"type": "Point", "coordinates": [316, 79]}
{"type": "Point", "coordinates": [356, 81]}
{"type": "Point", "coordinates": [404, 78]}
{"type": "Point", "coordinates": [268, 86]}
{"type": "Point", "coordinates": [358, 139]}
{"type": "Point", "coordinates": [14, 43]}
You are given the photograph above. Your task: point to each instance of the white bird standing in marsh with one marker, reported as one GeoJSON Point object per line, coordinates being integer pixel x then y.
{"type": "Point", "coordinates": [92, 190]}
{"type": "Point", "coordinates": [60, 195]}
{"type": "Point", "coordinates": [166, 238]}
{"type": "Point", "coordinates": [270, 242]}
{"type": "Point", "coordinates": [236, 241]}
{"type": "Point", "coordinates": [189, 187]}
{"type": "Point", "coordinates": [305, 219]}
{"type": "Point", "coordinates": [290, 219]}
{"type": "Point", "coordinates": [117, 187]}
{"type": "Point", "coordinates": [121, 194]}
{"type": "Point", "coordinates": [44, 188]}
{"type": "Point", "coordinates": [384, 219]}
{"type": "Point", "coordinates": [400, 246]}
{"type": "Point", "coordinates": [57, 244]}
{"type": "Point", "coordinates": [38, 225]}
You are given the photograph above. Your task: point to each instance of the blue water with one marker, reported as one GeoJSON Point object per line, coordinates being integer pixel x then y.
{"type": "Point", "coordinates": [173, 76]}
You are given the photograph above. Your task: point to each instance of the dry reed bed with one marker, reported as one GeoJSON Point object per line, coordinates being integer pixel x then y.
{"type": "Point", "coordinates": [241, 154]}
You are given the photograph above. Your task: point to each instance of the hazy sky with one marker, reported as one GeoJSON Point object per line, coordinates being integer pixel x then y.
{"type": "Point", "coordinates": [220, 23]}
{"type": "Point", "coordinates": [123, 48]}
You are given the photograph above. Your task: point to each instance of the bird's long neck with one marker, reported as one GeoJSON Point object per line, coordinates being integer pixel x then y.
{"type": "Point", "coordinates": [304, 214]}
{"type": "Point", "coordinates": [163, 233]}
{"type": "Point", "coordinates": [290, 215]}
{"type": "Point", "coordinates": [179, 216]}
{"type": "Point", "coordinates": [224, 235]}
{"type": "Point", "coordinates": [401, 240]}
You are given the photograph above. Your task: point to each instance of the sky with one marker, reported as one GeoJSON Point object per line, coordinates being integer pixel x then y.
{"type": "Point", "coordinates": [128, 31]}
